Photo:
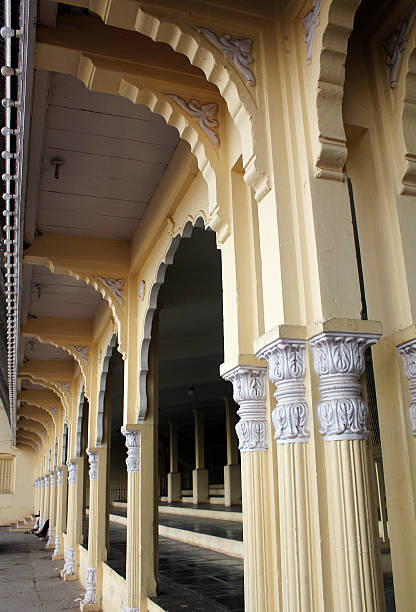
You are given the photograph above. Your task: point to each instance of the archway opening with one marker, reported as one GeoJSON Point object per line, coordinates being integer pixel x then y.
{"type": "Point", "coordinates": [198, 472]}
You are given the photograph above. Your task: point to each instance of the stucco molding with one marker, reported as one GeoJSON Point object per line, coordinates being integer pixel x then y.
{"type": "Point", "coordinates": [69, 566]}
{"type": "Point", "coordinates": [310, 22]}
{"type": "Point", "coordinates": [331, 148]}
{"type": "Point", "coordinates": [133, 450]}
{"type": "Point", "coordinates": [72, 472]}
{"type": "Point", "coordinates": [57, 549]}
{"type": "Point", "coordinates": [203, 113]}
{"type": "Point", "coordinates": [395, 44]}
{"type": "Point", "coordinates": [286, 361]}
{"type": "Point", "coordinates": [408, 119]}
{"type": "Point", "coordinates": [93, 461]}
{"type": "Point", "coordinates": [408, 350]}
{"type": "Point", "coordinates": [187, 40]}
{"type": "Point", "coordinates": [90, 596]}
{"type": "Point", "coordinates": [249, 392]}
{"type": "Point", "coordinates": [339, 362]}
{"type": "Point", "coordinates": [236, 49]}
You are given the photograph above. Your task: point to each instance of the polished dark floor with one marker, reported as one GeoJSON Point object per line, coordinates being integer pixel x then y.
{"type": "Point", "coordinates": [229, 530]}
{"type": "Point", "coordinates": [190, 577]}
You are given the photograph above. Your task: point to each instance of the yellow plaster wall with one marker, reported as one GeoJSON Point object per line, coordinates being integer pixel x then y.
{"type": "Point", "coordinates": [15, 506]}
{"type": "Point", "coordinates": [114, 590]}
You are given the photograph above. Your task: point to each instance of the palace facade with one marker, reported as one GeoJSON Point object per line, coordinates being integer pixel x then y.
{"type": "Point", "coordinates": [209, 293]}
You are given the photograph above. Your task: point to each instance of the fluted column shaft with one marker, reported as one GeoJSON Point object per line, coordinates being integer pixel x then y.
{"type": "Point", "coordinates": [133, 557]}
{"type": "Point", "coordinates": [75, 484]}
{"type": "Point", "coordinates": [60, 502]}
{"type": "Point", "coordinates": [96, 527]}
{"type": "Point", "coordinates": [52, 511]}
{"type": "Point", "coordinates": [286, 360]}
{"type": "Point", "coordinates": [249, 391]}
{"type": "Point", "coordinates": [46, 498]}
{"type": "Point", "coordinates": [42, 501]}
{"type": "Point", "coordinates": [355, 557]}
{"type": "Point", "coordinates": [35, 509]}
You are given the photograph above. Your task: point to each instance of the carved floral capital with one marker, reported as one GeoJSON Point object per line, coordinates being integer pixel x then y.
{"type": "Point", "coordinates": [339, 361]}
{"type": "Point", "coordinates": [133, 450]}
{"type": "Point", "coordinates": [286, 360]}
{"type": "Point", "coordinates": [72, 472]}
{"type": "Point", "coordinates": [408, 350]}
{"type": "Point", "coordinates": [249, 392]}
{"type": "Point", "coordinates": [93, 461]}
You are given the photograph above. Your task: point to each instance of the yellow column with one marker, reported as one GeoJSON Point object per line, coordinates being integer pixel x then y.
{"type": "Point", "coordinates": [199, 474]}
{"type": "Point", "coordinates": [355, 556]}
{"type": "Point", "coordinates": [60, 509]}
{"type": "Point", "coordinates": [134, 519]}
{"type": "Point", "coordinates": [52, 511]}
{"type": "Point", "coordinates": [249, 392]}
{"type": "Point", "coordinates": [42, 501]}
{"type": "Point", "coordinates": [36, 506]}
{"type": "Point", "coordinates": [46, 498]}
{"type": "Point", "coordinates": [174, 477]}
{"type": "Point", "coordinates": [96, 527]}
{"type": "Point", "coordinates": [232, 471]}
{"type": "Point", "coordinates": [286, 360]}
{"type": "Point", "coordinates": [75, 484]}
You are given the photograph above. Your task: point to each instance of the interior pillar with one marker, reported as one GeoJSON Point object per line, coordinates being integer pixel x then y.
{"type": "Point", "coordinates": [61, 501]}
{"type": "Point", "coordinates": [249, 385]}
{"type": "Point", "coordinates": [52, 511]}
{"type": "Point", "coordinates": [74, 523]}
{"type": "Point", "coordinates": [286, 361]}
{"type": "Point", "coordinates": [96, 527]}
{"type": "Point", "coordinates": [200, 473]}
{"type": "Point", "coordinates": [232, 471]}
{"type": "Point", "coordinates": [174, 477]}
{"type": "Point", "coordinates": [355, 557]}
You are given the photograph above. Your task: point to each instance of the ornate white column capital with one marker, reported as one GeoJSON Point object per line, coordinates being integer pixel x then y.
{"type": "Point", "coordinates": [46, 481]}
{"type": "Point", "coordinates": [408, 350]}
{"type": "Point", "coordinates": [133, 449]}
{"type": "Point", "coordinates": [52, 479]}
{"type": "Point", "coordinates": [286, 361]}
{"type": "Point", "coordinates": [90, 596]}
{"type": "Point", "coordinates": [72, 472]}
{"type": "Point", "coordinates": [59, 479]}
{"type": "Point", "coordinates": [339, 362]}
{"type": "Point", "coordinates": [249, 392]}
{"type": "Point", "coordinates": [93, 460]}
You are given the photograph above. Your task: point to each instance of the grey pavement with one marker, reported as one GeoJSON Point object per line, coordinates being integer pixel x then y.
{"type": "Point", "coordinates": [29, 579]}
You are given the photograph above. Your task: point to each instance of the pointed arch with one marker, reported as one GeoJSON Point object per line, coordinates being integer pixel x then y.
{"type": "Point", "coordinates": [102, 388]}
{"type": "Point", "coordinates": [151, 308]}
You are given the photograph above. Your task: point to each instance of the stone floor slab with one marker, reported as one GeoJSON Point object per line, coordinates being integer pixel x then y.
{"type": "Point", "coordinates": [29, 579]}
